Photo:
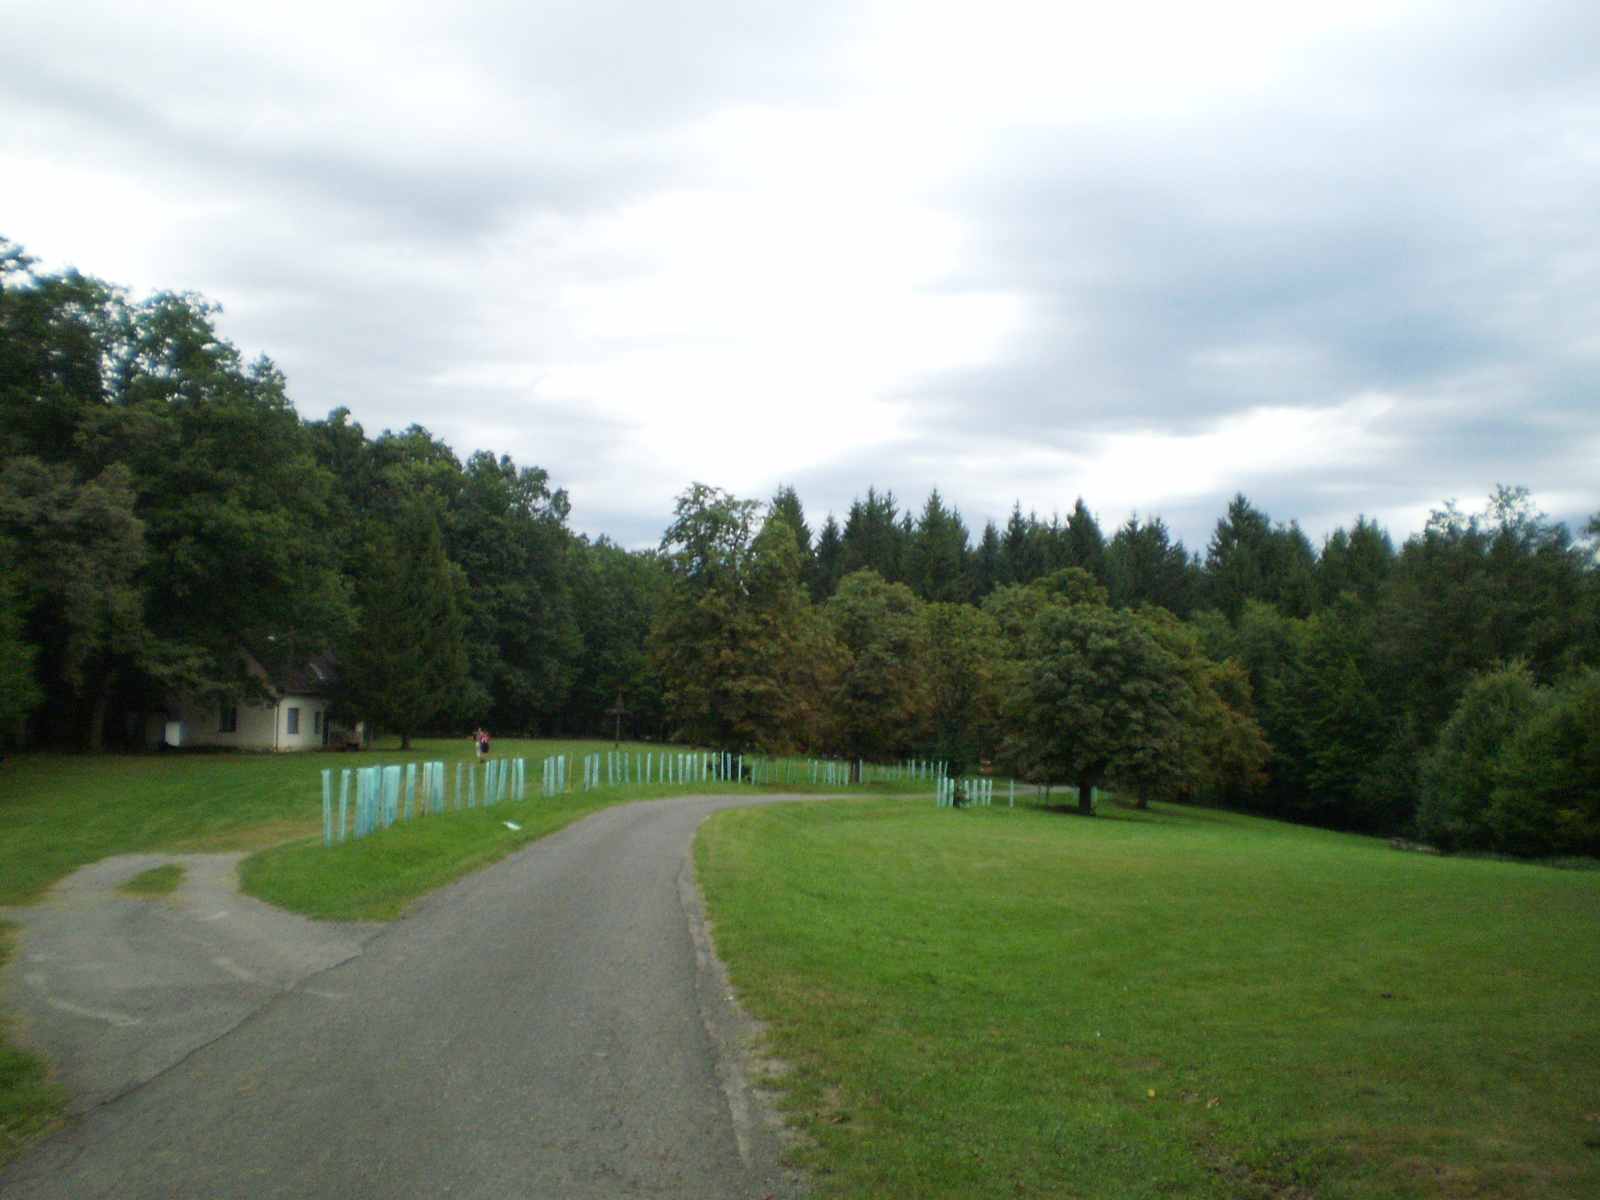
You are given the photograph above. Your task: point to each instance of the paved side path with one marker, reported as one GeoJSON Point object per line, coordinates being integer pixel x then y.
{"type": "Point", "coordinates": [543, 1028]}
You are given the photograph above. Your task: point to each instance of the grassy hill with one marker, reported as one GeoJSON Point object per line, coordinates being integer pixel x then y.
{"type": "Point", "coordinates": [1018, 1002]}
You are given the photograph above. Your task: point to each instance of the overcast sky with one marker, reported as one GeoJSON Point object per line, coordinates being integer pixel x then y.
{"type": "Point", "coordinates": [1344, 257]}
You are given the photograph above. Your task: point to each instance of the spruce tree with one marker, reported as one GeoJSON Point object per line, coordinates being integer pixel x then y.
{"type": "Point", "coordinates": [406, 666]}
{"type": "Point", "coordinates": [936, 556]}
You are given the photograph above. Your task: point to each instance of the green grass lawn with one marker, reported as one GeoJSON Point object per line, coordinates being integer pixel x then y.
{"type": "Point", "coordinates": [1018, 1002]}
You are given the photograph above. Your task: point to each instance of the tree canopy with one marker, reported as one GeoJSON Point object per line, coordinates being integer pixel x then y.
{"type": "Point", "coordinates": [166, 516]}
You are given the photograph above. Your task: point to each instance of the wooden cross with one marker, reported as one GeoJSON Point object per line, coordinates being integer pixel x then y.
{"type": "Point", "coordinates": [617, 711]}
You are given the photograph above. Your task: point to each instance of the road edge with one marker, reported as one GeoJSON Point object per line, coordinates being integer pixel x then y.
{"type": "Point", "coordinates": [738, 1041]}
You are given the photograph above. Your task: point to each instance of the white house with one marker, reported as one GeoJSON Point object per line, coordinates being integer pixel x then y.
{"type": "Point", "coordinates": [296, 720]}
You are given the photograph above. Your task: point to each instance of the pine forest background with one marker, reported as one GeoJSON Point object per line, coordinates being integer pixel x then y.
{"type": "Point", "coordinates": [164, 510]}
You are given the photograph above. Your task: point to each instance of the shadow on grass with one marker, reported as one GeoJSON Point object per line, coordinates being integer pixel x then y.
{"type": "Point", "coordinates": [1107, 811]}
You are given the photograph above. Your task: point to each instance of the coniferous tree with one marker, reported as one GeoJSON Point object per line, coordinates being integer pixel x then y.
{"type": "Point", "coordinates": [406, 665]}
{"type": "Point", "coordinates": [936, 565]}
{"type": "Point", "coordinates": [1144, 566]}
{"type": "Point", "coordinates": [1475, 590]}
{"type": "Point", "coordinates": [1356, 562]}
{"type": "Point", "coordinates": [1085, 544]}
{"type": "Point", "coordinates": [988, 567]}
{"type": "Point", "coordinates": [1250, 558]}
{"type": "Point", "coordinates": [787, 508]}
{"type": "Point", "coordinates": [1014, 548]}
{"type": "Point", "coordinates": [873, 538]}
{"type": "Point", "coordinates": [829, 561]}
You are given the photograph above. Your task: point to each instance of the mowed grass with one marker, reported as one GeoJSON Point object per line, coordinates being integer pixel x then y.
{"type": "Point", "coordinates": [1017, 1002]}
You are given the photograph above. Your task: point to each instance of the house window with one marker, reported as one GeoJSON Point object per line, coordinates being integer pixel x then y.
{"type": "Point", "coordinates": [228, 721]}
{"type": "Point", "coordinates": [316, 722]}
{"type": "Point", "coordinates": [294, 720]}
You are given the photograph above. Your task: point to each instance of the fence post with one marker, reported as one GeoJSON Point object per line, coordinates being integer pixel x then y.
{"type": "Point", "coordinates": [391, 795]}
{"type": "Point", "coordinates": [327, 807]}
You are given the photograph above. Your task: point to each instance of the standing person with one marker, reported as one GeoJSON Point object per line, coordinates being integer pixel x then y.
{"type": "Point", "coordinates": [482, 738]}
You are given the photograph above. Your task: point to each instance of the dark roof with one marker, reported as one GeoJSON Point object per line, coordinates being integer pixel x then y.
{"type": "Point", "coordinates": [312, 676]}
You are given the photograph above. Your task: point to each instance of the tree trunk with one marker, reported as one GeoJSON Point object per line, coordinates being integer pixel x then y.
{"type": "Point", "coordinates": [405, 739]}
{"type": "Point", "coordinates": [97, 711]}
{"type": "Point", "coordinates": [1141, 799]}
{"type": "Point", "coordinates": [1086, 799]}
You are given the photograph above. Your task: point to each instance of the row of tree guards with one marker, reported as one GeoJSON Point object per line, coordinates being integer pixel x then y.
{"type": "Point", "coordinates": [362, 799]}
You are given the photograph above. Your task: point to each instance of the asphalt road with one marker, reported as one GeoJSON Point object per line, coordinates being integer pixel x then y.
{"type": "Point", "coordinates": [552, 1026]}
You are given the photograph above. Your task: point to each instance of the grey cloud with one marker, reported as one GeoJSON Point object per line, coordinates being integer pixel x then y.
{"type": "Point", "coordinates": [1359, 230]}
{"type": "Point", "coordinates": [641, 65]}
{"type": "Point", "coordinates": [367, 243]}
{"type": "Point", "coordinates": [1411, 214]}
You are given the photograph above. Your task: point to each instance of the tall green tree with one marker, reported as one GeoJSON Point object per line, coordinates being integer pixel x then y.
{"type": "Point", "coordinates": [617, 597]}
{"type": "Point", "coordinates": [1547, 798]}
{"type": "Point", "coordinates": [1355, 563]}
{"type": "Point", "coordinates": [873, 537]}
{"type": "Point", "coordinates": [988, 563]}
{"type": "Point", "coordinates": [1143, 565]}
{"type": "Point", "coordinates": [1224, 750]}
{"type": "Point", "coordinates": [80, 551]}
{"type": "Point", "coordinates": [936, 556]}
{"type": "Point", "coordinates": [962, 668]}
{"type": "Point", "coordinates": [1250, 558]}
{"type": "Point", "coordinates": [508, 535]}
{"type": "Point", "coordinates": [742, 655]}
{"type": "Point", "coordinates": [877, 703]}
{"type": "Point", "coordinates": [1101, 700]}
{"type": "Point", "coordinates": [56, 334]}
{"type": "Point", "coordinates": [229, 492]}
{"type": "Point", "coordinates": [1465, 766]}
{"type": "Point", "coordinates": [406, 666]}
{"type": "Point", "coordinates": [1475, 590]}
{"type": "Point", "coordinates": [1086, 544]}
{"type": "Point", "coordinates": [19, 690]}
{"type": "Point", "coordinates": [828, 561]}
{"type": "Point", "coordinates": [786, 507]}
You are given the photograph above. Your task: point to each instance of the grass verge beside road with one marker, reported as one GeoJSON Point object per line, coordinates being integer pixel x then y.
{"type": "Point", "coordinates": [1014, 1002]}
{"type": "Point", "coordinates": [375, 878]}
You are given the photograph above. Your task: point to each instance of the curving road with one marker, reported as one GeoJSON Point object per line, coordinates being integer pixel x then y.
{"type": "Point", "coordinates": [552, 1026]}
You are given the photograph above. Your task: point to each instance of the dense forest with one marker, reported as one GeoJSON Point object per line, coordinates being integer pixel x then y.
{"type": "Point", "coordinates": [165, 512]}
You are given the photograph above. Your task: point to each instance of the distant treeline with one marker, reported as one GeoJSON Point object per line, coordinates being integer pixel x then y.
{"type": "Point", "coordinates": [165, 513]}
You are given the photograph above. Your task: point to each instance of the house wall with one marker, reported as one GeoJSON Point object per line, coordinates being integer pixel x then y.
{"type": "Point", "coordinates": [259, 728]}
{"type": "Point", "coordinates": [313, 711]}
